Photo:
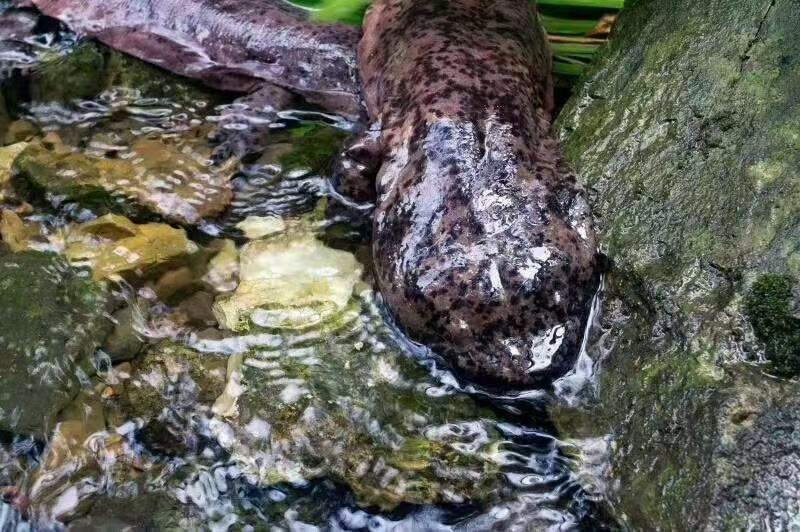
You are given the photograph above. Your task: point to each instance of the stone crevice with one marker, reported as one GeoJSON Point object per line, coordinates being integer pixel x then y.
{"type": "Point", "coordinates": [745, 57]}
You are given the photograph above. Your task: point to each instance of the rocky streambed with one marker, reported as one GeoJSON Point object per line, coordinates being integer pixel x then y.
{"type": "Point", "coordinates": [195, 343]}
{"type": "Point", "coordinates": [189, 343]}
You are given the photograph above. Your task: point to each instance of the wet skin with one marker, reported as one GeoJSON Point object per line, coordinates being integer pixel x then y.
{"type": "Point", "coordinates": [232, 45]}
{"type": "Point", "coordinates": [482, 239]}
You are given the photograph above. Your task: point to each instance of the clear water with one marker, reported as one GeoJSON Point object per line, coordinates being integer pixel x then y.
{"type": "Point", "coordinates": [336, 423]}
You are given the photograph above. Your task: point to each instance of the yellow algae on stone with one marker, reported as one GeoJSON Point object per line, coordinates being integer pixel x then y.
{"type": "Point", "coordinates": [7, 156]}
{"type": "Point", "coordinates": [179, 183]}
{"type": "Point", "coordinates": [223, 269]}
{"type": "Point", "coordinates": [114, 245]}
{"type": "Point", "coordinates": [174, 182]}
{"type": "Point", "coordinates": [13, 231]}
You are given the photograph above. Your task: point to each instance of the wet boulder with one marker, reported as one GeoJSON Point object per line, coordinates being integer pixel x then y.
{"type": "Point", "coordinates": [687, 131]}
{"type": "Point", "coordinates": [338, 399]}
{"type": "Point", "coordinates": [52, 319]}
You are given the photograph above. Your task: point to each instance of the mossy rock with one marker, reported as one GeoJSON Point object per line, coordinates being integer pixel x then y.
{"type": "Point", "coordinates": [172, 377]}
{"type": "Point", "coordinates": [769, 307]}
{"type": "Point", "coordinates": [687, 130]}
{"type": "Point", "coordinates": [152, 82]}
{"type": "Point", "coordinates": [143, 511]}
{"type": "Point", "coordinates": [359, 413]}
{"type": "Point", "coordinates": [52, 319]}
{"type": "Point", "coordinates": [90, 68]}
{"type": "Point", "coordinates": [312, 146]}
{"type": "Point", "coordinates": [159, 180]}
{"type": "Point", "coordinates": [49, 167]}
{"type": "Point", "coordinates": [78, 75]}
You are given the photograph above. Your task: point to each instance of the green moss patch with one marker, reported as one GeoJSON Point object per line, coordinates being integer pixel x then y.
{"type": "Point", "coordinates": [769, 309]}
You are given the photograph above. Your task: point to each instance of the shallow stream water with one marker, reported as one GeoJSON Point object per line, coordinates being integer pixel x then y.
{"type": "Point", "coordinates": [250, 379]}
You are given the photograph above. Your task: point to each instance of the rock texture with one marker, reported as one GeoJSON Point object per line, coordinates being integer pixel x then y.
{"type": "Point", "coordinates": [52, 320]}
{"type": "Point", "coordinates": [687, 129]}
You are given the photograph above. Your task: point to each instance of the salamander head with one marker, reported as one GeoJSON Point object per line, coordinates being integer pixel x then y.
{"type": "Point", "coordinates": [501, 310]}
{"type": "Point", "coordinates": [484, 250]}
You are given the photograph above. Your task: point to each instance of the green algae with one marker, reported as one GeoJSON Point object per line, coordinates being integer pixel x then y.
{"type": "Point", "coordinates": [683, 129]}
{"type": "Point", "coordinates": [49, 167]}
{"type": "Point", "coordinates": [52, 321]}
{"type": "Point", "coordinates": [154, 179]}
{"type": "Point", "coordinates": [769, 308]}
{"type": "Point", "coordinates": [170, 375]}
{"type": "Point", "coordinates": [313, 147]}
{"type": "Point", "coordinates": [152, 82]}
{"type": "Point", "coordinates": [79, 75]}
{"type": "Point", "coordinates": [91, 68]}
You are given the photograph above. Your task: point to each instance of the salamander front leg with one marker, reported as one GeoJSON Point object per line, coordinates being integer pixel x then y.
{"type": "Point", "coordinates": [353, 175]}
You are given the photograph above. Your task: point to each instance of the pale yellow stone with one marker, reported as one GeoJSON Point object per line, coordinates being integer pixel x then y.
{"type": "Point", "coordinates": [223, 269]}
{"type": "Point", "coordinates": [7, 156]}
{"type": "Point", "coordinates": [255, 227]}
{"type": "Point", "coordinates": [13, 231]}
{"type": "Point", "coordinates": [291, 282]}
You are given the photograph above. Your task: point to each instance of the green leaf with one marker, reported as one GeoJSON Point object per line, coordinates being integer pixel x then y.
{"type": "Point", "coordinates": [594, 4]}
{"type": "Point", "coordinates": [567, 26]}
{"type": "Point", "coordinates": [568, 69]}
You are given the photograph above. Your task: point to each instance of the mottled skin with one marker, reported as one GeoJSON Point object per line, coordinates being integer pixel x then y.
{"type": "Point", "coordinates": [233, 45]}
{"type": "Point", "coordinates": [483, 244]}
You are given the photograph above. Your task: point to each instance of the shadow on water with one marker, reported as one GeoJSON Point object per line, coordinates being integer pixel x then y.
{"type": "Point", "coordinates": [301, 410]}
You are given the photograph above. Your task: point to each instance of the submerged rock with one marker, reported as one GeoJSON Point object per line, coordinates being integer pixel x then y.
{"type": "Point", "coordinates": [78, 75]}
{"type": "Point", "coordinates": [90, 68]}
{"type": "Point", "coordinates": [172, 376]}
{"type": "Point", "coordinates": [255, 227]}
{"type": "Point", "coordinates": [151, 176]}
{"type": "Point", "coordinates": [113, 245]}
{"type": "Point", "coordinates": [13, 232]}
{"type": "Point", "coordinates": [339, 400]}
{"type": "Point", "coordinates": [290, 283]}
{"type": "Point", "coordinates": [52, 319]}
{"type": "Point", "coordinates": [7, 156]}
{"type": "Point", "coordinates": [287, 180]}
{"type": "Point", "coordinates": [687, 130]}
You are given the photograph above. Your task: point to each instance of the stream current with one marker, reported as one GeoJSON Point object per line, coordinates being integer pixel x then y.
{"type": "Point", "coordinates": [243, 386]}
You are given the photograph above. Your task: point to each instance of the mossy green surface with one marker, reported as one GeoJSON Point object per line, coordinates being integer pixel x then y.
{"type": "Point", "coordinates": [42, 168]}
{"type": "Point", "coordinates": [342, 403]}
{"type": "Point", "coordinates": [169, 375]}
{"type": "Point", "coordinates": [153, 82]}
{"type": "Point", "coordinates": [769, 309]}
{"type": "Point", "coordinates": [90, 68]}
{"type": "Point", "coordinates": [78, 75]}
{"type": "Point", "coordinates": [686, 130]}
{"type": "Point", "coordinates": [52, 320]}
{"type": "Point", "coordinates": [313, 147]}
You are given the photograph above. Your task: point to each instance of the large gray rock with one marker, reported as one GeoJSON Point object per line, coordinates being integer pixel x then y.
{"type": "Point", "coordinates": [688, 130]}
{"type": "Point", "coordinates": [52, 318]}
